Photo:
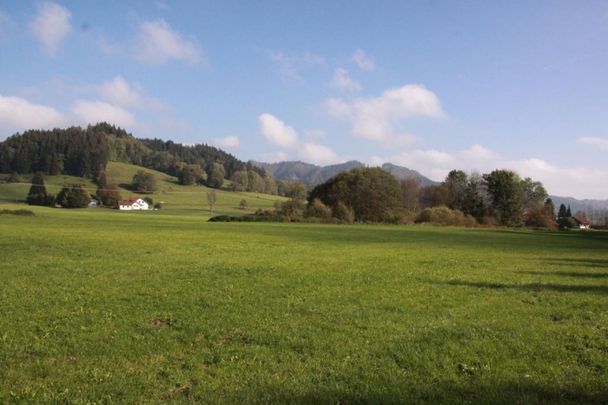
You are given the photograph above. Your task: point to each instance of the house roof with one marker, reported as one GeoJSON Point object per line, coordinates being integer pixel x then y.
{"type": "Point", "coordinates": [129, 201]}
{"type": "Point", "coordinates": [581, 221]}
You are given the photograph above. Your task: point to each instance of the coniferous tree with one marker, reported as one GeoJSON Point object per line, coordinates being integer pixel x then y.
{"type": "Point", "coordinates": [37, 194]}
{"type": "Point", "coordinates": [562, 212]}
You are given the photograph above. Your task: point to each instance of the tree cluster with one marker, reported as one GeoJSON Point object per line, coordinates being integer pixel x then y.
{"type": "Point", "coordinates": [373, 195]}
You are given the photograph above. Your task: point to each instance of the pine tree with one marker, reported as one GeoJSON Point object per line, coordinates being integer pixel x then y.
{"type": "Point", "coordinates": [562, 213]}
{"type": "Point", "coordinates": [37, 194]}
{"type": "Point", "coordinates": [568, 211]}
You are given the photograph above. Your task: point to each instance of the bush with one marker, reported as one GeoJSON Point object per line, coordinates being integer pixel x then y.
{"type": "Point", "coordinates": [158, 206]}
{"type": "Point", "coordinates": [144, 182]}
{"type": "Point", "coordinates": [444, 216]}
{"type": "Point", "coordinates": [344, 213]}
{"type": "Point", "coordinates": [567, 223]}
{"type": "Point", "coordinates": [73, 196]}
{"type": "Point", "coordinates": [19, 212]}
{"type": "Point", "coordinates": [317, 209]}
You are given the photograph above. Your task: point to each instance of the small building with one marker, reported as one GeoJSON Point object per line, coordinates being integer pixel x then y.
{"type": "Point", "coordinates": [94, 203]}
{"type": "Point", "coordinates": [133, 204]}
{"type": "Point", "coordinates": [582, 223]}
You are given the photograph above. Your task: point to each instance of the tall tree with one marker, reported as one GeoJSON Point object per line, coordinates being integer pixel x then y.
{"type": "Point", "coordinates": [37, 194]}
{"type": "Point", "coordinates": [456, 184]}
{"type": "Point", "coordinates": [410, 193]}
{"type": "Point", "coordinates": [533, 193]}
{"type": "Point", "coordinates": [505, 189]}
{"type": "Point", "coordinates": [216, 176]}
{"type": "Point", "coordinates": [562, 212]}
{"type": "Point", "coordinates": [211, 199]}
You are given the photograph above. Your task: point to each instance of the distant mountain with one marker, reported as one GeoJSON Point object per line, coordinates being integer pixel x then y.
{"type": "Point", "coordinates": [580, 205]}
{"type": "Point", "coordinates": [313, 174]}
{"type": "Point", "coordinates": [401, 173]}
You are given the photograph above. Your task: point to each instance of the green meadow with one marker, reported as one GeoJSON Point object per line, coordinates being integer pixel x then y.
{"type": "Point", "coordinates": [105, 306]}
{"type": "Point", "coordinates": [176, 199]}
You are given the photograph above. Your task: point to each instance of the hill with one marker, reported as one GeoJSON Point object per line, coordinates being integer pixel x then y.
{"type": "Point", "coordinates": [176, 198]}
{"type": "Point", "coordinates": [84, 152]}
{"type": "Point", "coordinates": [313, 174]}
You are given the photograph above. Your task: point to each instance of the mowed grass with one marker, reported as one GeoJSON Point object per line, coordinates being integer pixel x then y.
{"type": "Point", "coordinates": [98, 306]}
{"type": "Point", "coordinates": [176, 199]}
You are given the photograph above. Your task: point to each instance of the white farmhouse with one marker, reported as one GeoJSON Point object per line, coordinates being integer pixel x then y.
{"type": "Point", "coordinates": [133, 204]}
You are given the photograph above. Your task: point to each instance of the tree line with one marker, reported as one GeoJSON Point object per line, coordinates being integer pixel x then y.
{"type": "Point", "coordinates": [500, 197]}
{"type": "Point", "coordinates": [85, 152]}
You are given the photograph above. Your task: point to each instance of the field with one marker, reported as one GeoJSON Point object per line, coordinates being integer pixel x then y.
{"type": "Point", "coordinates": [176, 199]}
{"type": "Point", "coordinates": [102, 306]}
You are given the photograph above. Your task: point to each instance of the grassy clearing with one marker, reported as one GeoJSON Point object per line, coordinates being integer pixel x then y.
{"type": "Point", "coordinates": [102, 306]}
{"type": "Point", "coordinates": [177, 199]}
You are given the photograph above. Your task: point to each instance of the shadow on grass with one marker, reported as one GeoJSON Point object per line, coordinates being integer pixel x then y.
{"type": "Point", "coordinates": [599, 263]}
{"type": "Point", "coordinates": [566, 274]}
{"type": "Point", "coordinates": [536, 287]}
{"type": "Point", "coordinates": [449, 392]}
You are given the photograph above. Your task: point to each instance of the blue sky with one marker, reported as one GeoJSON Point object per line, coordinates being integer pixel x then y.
{"type": "Point", "coordinates": [431, 85]}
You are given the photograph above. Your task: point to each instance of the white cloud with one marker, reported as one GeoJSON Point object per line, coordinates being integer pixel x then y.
{"type": "Point", "coordinates": [90, 112]}
{"type": "Point", "coordinates": [602, 143]}
{"type": "Point", "coordinates": [317, 154]}
{"type": "Point", "coordinates": [157, 42]}
{"type": "Point", "coordinates": [578, 182]}
{"type": "Point", "coordinates": [315, 133]}
{"type": "Point", "coordinates": [342, 81]}
{"type": "Point", "coordinates": [379, 118]}
{"type": "Point", "coordinates": [363, 61]}
{"type": "Point", "coordinates": [118, 91]}
{"type": "Point", "coordinates": [228, 142]}
{"type": "Point", "coordinates": [51, 25]}
{"type": "Point", "coordinates": [19, 114]}
{"type": "Point", "coordinates": [288, 65]}
{"type": "Point", "coordinates": [277, 132]}
{"type": "Point", "coordinates": [477, 153]}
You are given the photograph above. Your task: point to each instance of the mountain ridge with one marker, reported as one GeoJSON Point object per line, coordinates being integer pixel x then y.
{"type": "Point", "coordinates": [312, 174]}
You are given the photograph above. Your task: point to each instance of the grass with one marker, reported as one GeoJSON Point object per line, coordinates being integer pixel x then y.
{"type": "Point", "coordinates": [176, 199]}
{"type": "Point", "coordinates": [102, 306]}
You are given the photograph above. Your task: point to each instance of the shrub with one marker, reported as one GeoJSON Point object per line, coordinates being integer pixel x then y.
{"type": "Point", "coordinates": [344, 213]}
{"type": "Point", "coordinates": [444, 216]}
{"type": "Point", "coordinates": [316, 209]}
{"type": "Point", "coordinates": [19, 212]}
{"type": "Point", "coordinates": [73, 196]}
{"type": "Point", "coordinates": [144, 182]}
{"type": "Point", "coordinates": [158, 206]}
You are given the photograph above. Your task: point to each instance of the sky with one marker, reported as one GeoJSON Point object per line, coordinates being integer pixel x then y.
{"type": "Point", "coordinates": [430, 85]}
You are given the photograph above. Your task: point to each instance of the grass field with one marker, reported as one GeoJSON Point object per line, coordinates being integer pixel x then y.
{"type": "Point", "coordinates": [102, 306]}
{"type": "Point", "coordinates": [176, 199]}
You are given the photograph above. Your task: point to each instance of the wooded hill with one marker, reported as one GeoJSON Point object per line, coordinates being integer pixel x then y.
{"type": "Point", "coordinates": [314, 174]}
{"type": "Point", "coordinates": [84, 152]}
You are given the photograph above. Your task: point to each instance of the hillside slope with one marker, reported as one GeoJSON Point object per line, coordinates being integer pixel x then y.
{"type": "Point", "coordinates": [176, 199]}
